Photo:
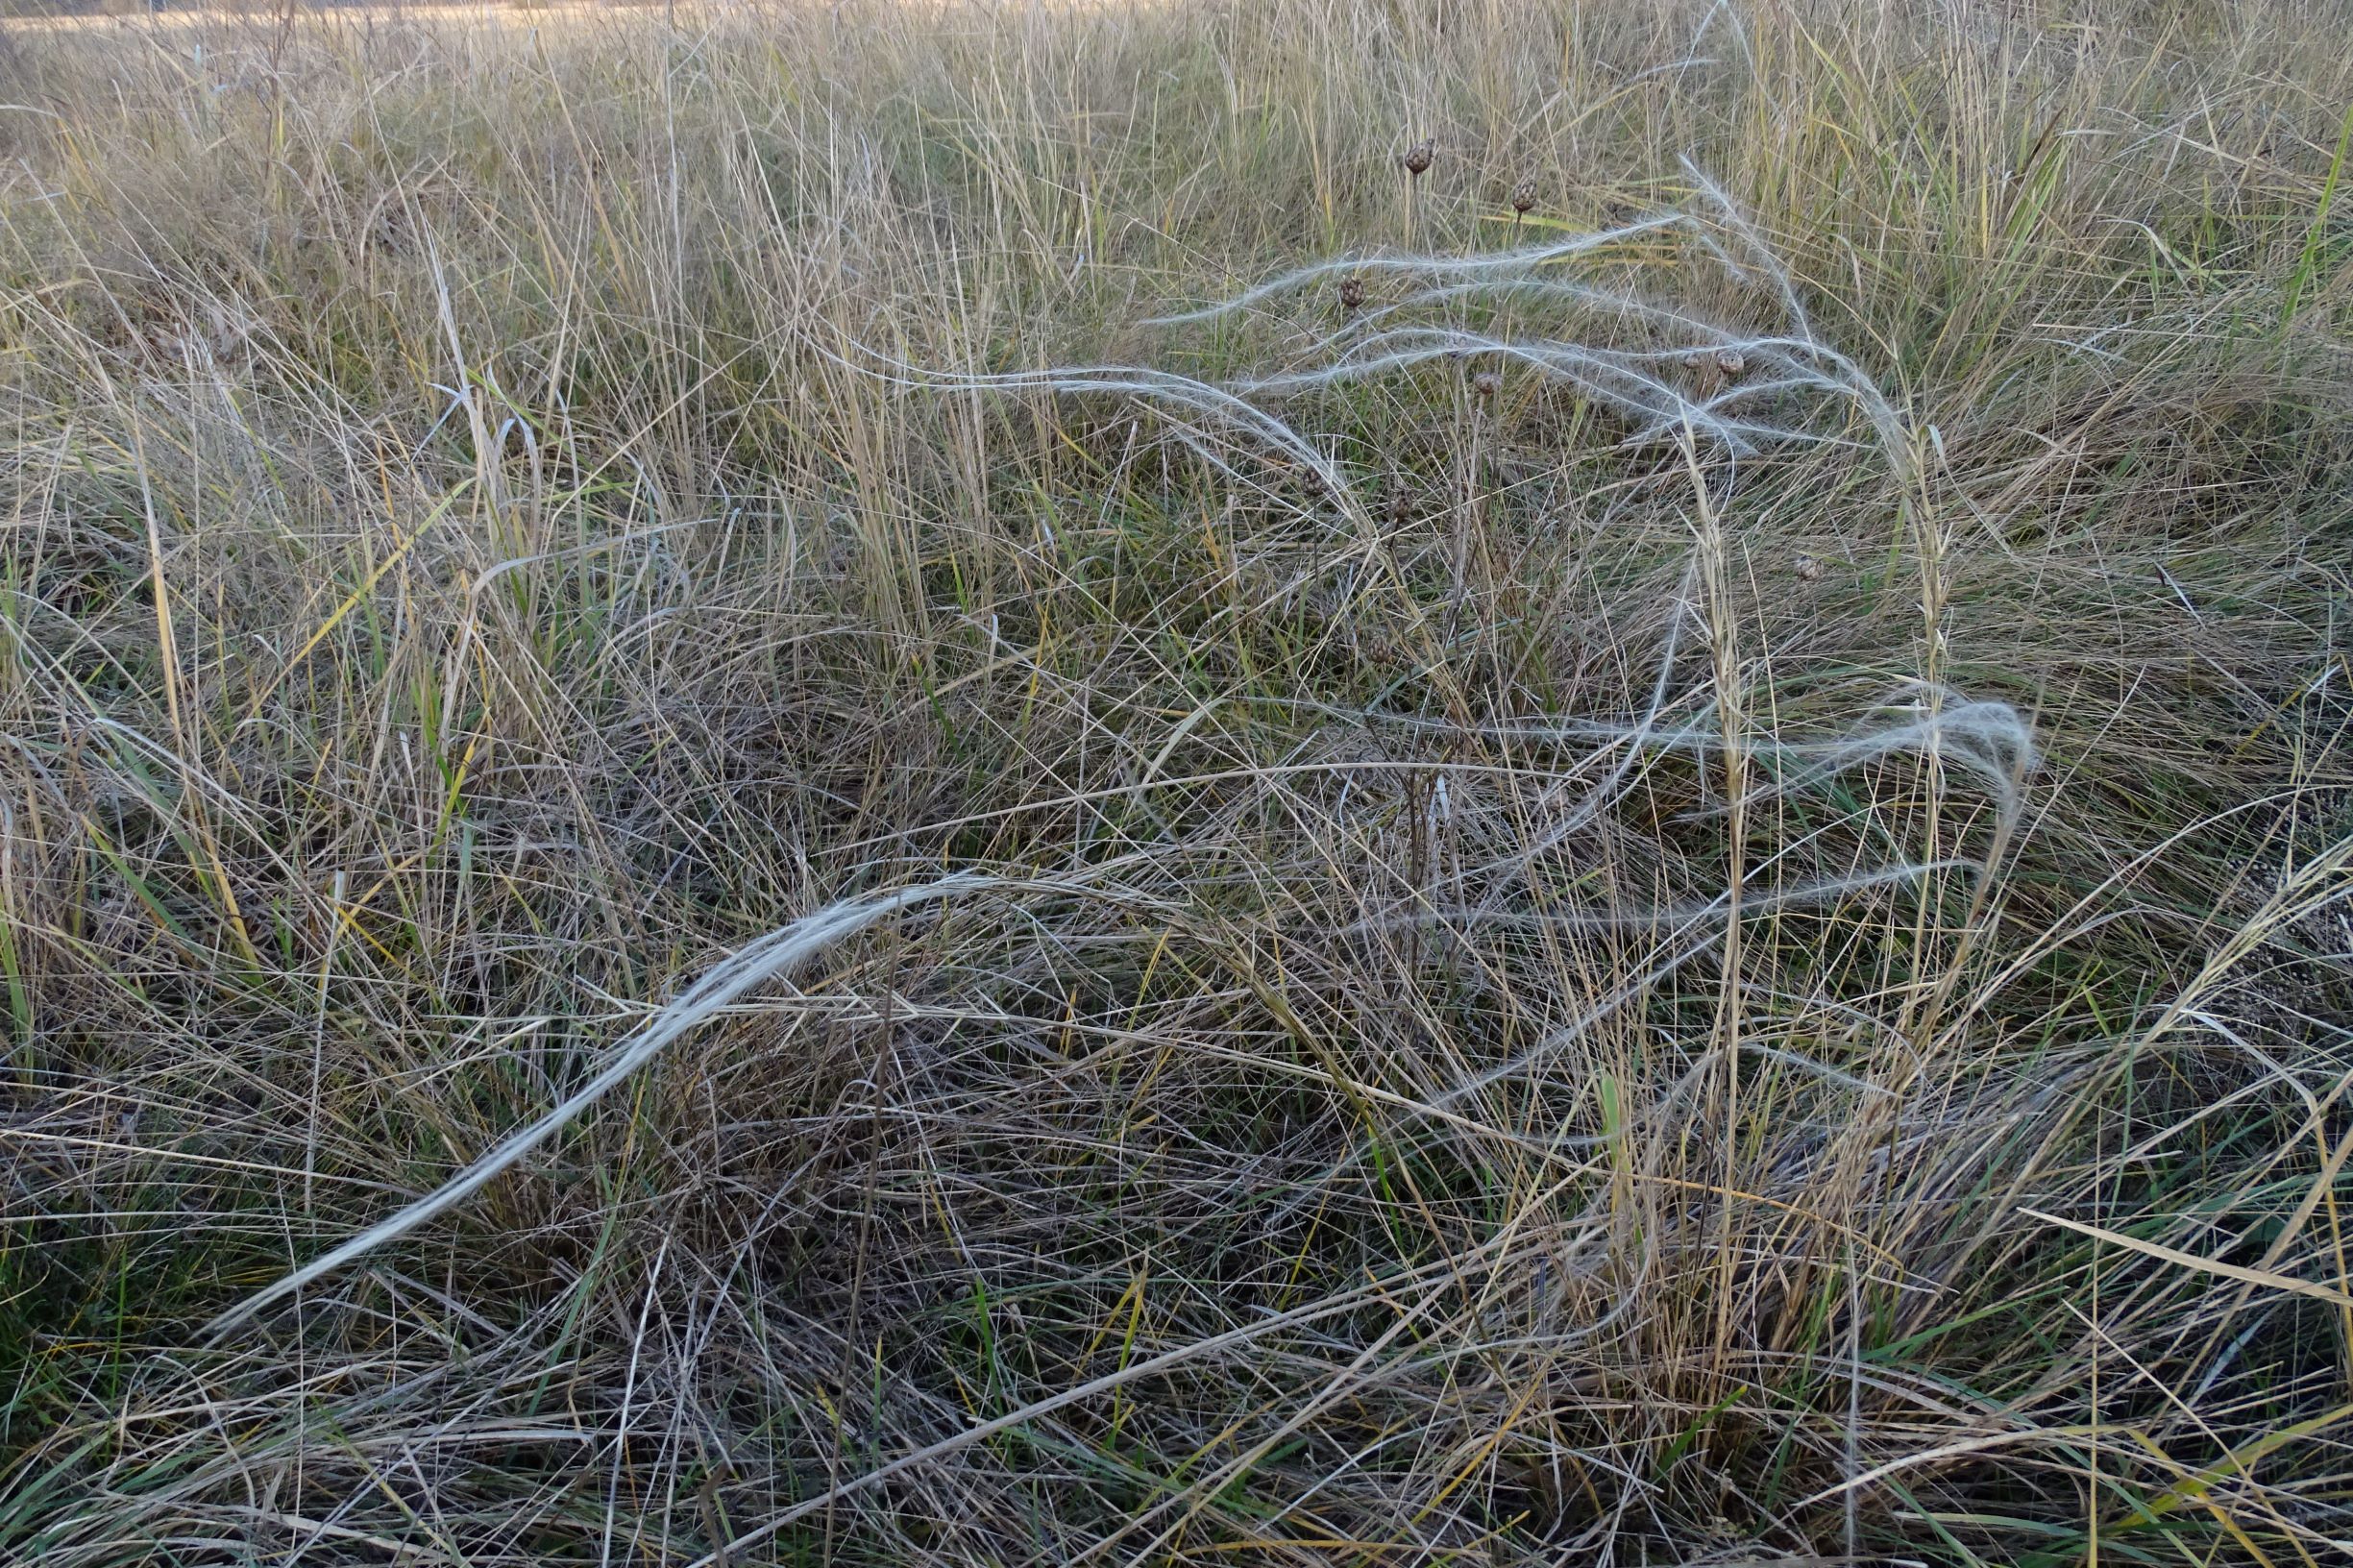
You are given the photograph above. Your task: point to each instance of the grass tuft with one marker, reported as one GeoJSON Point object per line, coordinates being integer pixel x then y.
{"type": "Point", "coordinates": [1294, 783]}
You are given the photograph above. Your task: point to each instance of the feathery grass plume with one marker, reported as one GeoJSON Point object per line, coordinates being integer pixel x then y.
{"type": "Point", "coordinates": [1564, 987]}
{"type": "Point", "coordinates": [1215, 405]}
{"type": "Point", "coordinates": [764, 959]}
{"type": "Point", "coordinates": [1805, 358]}
{"type": "Point", "coordinates": [1632, 383]}
{"type": "Point", "coordinates": [1489, 265]}
{"type": "Point", "coordinates": [1622, 379]}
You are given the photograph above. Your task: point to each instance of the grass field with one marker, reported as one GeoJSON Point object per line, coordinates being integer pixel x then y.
{"type": "Point", "coordinates": [896, 784]}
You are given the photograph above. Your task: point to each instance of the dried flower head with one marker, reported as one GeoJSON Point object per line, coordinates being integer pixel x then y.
{"type": "Point", "coordinates": [1352, 292]}
{"type": "Point", "coordinates": [1524, 196]}
{"type": "Point", "coordinates": [1487, 383]}
{"type": "Point", "coordinates": [1732, 361]}
{"type": "Point", "coordinates": [1706, 373]}
{"type": "Point", "coordinates": [1398, 504]}
{"type": "Point", "coordinates": [1419, 157]}
{"type": "Point", "coordinates": [1807, 569]}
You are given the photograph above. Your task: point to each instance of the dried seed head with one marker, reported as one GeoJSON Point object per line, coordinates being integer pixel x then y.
{"type": "Point", "coordinates": [1352, 292]}
{"type": "Point", "coordinates": [1419, 156]}
{"type": "Point", "coordinates": [1523, 196]}
{"type": "Point", "coordinates": [1399, 505]}
{"type": "Point", "coordinates": [1732, 361]}
{"type": "Point", "coordinates": [1487, 383]}
{"type": "Point", "coordinates": [1707, 373]}
{"type": "Point", "coordinates": [1807, 569]}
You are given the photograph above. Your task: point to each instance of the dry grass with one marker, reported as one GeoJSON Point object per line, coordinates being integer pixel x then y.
{"type": "Point", "coordinates": [1657, 881]}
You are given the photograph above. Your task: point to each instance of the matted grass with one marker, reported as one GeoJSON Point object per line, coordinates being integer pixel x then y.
{"type": "Point", "coordinates": [901, 784]}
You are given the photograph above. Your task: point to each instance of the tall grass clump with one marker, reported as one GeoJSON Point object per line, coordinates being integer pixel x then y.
{"type": "Point", "coordinates": [1292, 783]}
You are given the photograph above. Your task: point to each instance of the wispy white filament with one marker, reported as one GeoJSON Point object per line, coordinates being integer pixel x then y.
{"type": "Point", "coordinates": [758, 961]}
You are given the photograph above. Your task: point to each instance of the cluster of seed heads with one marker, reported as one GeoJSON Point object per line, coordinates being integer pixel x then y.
{"type": "Point", "coordinates": [1419, 157]}
{"type": "Point", "coordinates": [1487, 383]}
{"type": "Point", "coordinates": [1711, 373]}
{"type": "Point", "coordinates": [1524, 197]}
{"type": "Point", "coordinates": [1706, 390]}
